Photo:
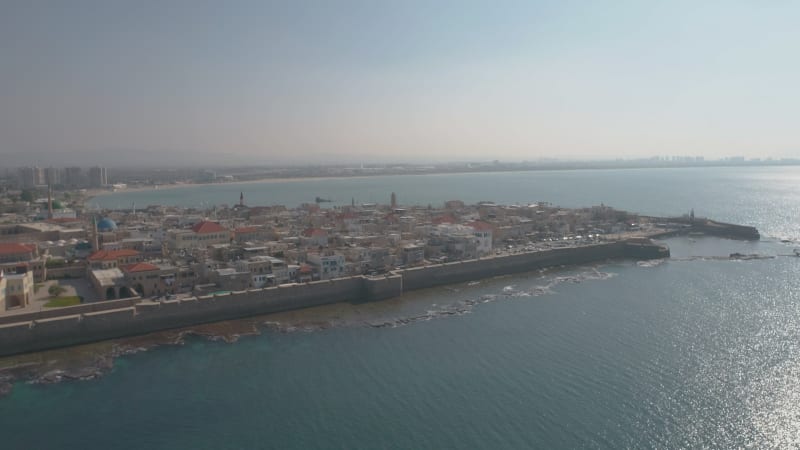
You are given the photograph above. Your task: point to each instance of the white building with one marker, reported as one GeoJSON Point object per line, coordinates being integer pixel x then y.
{"type": "Point", "coordinates": [327, 266]}
{"type": "Point", "coordinates": [483, 232]}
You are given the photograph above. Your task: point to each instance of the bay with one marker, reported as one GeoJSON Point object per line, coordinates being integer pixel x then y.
{"type": "Point", "coordinates": [698, 351]}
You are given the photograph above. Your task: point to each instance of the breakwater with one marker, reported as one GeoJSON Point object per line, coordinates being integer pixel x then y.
{"type": "Point", "coordinates": [707, 227]}
{"type": "Point", "coordinates": [76, 326]}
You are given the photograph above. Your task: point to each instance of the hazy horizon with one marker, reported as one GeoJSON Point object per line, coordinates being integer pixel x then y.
{"type": "Point", "coordinates": [260, 83]}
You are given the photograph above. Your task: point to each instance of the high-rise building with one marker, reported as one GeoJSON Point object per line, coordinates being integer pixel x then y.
{"type": "Point", "coordinates": [30, 177]}
{"type": "Point", "coordinates": [26, 177]}
{"type": "Point", "coordinates": [73, 177]}
{"type": "Point", "coordinates": [52, 176]}
{"type": "Point", "coordinates": [98, 177]}
{"type": "Point", "coordinates": [41, 178]}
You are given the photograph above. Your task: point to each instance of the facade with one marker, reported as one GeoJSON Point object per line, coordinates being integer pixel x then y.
{"type": "Point", "coordinates": [149, 280]}
{"type": "Point", "coordinates": [327, 265]}
{"type": "Point", "coordinates": [264, 270]}
{"type": "Point", "coordinates": [30, 177]}
{"type": "Point", "coordinates": [315, 237]}
{"type": "Point", "coordinates": [249, 234]}
{"type": "Point", "coordinates": [14, 252]}
{"type": "Point", "coordinates": [13, 255]}
{"type": "Point", "coordinates": [201, 235]}
{"type": "Point", "coordinates": [110, 259]}
{"type": "Point", "coordinates": [109, 284]}
{"type": "Point", "coordinates": [98, 177]}
{"type": "Point", "coordinates": [16, 289]}
{"type": "Point", "coordinates": [73, 177]}
{"type": "Point", "coordinates": [483, 233]}
{"type": "Point", "coordinates": [3, 284]}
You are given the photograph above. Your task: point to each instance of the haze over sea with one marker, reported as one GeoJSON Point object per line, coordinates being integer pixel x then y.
{"type": "Point", "coordinates": [695, 352]}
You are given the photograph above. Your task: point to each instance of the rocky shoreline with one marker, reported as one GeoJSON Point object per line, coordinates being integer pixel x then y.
{"type": "Point", "coordinates": [91, 361]}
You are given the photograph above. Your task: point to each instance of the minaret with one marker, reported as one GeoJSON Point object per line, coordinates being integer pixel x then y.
{"type": "Point", "coordinates": [241, 198]}
{"type": "Point", "coordinates": [95, 238]}
{"type": "Point", "coordinates": [49, 202]}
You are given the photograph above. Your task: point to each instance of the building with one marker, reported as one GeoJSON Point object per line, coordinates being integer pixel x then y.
{"type": "Point", "coordinates": [12, 252]}
{"type": "Point", "coordinates": [315, 237]}
{"type": "Point", "coordinates": [14, 255]}
{"type": "Point", "coordinates": [111, 259]}
{"type": "Point", "coordinates": [201, 235]}
{"type": "Point", "coordinates": [413, 254]}
{"type": "Point", "coordinates": [264, 270]}
{"type": "Point", "coordinates": [327, 265]}
{"type": "Point", "coordinates": [30, 177]}
{"type": "Point", "coordinates": [73, 177]}
{"type": "Point", "coordinates": [149, 280]}
{"type": "Point", "coordinates": [483, 232]}
{"type": "Point", "coordinates": [52, 176]}
{"type": "Point", "coordinates": [250, 234]}
{"type": "Point", "coordinates": [3, 284]}
{"type": "Point", "coordinates": [16, 289]}
{"type": "Point", "coordinates": [109, 284]}
{"type": "Point", "coordinates": [98, 177]}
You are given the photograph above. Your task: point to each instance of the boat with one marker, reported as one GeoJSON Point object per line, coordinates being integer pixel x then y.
{"type": "Point", "coordinates": [323, 200]}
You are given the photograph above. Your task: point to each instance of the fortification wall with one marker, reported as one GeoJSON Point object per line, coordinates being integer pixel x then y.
{"type": "Point", "coordinates": [112, 319]}
{"type": "Point", "coordinates": [75, 271]}
{"type": "Point", "coordinates": [68, 310]}
{"type": "Point", "coordinates": [381, 288]}
{"type": "Point", "coordinates": [126, 320]}
{"type": "Point", "coordinates": [458, 272]}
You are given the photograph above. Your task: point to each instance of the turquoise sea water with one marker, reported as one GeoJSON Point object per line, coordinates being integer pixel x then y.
{"type": "Point", "coordinates": [695, 352]}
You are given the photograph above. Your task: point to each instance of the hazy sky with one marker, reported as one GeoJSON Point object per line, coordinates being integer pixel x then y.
{"type": "Point", "coordinates": [307, 81]}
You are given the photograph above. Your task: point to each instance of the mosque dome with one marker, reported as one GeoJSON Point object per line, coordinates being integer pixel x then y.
{"type": "Point", "coordinates": [106, 225]}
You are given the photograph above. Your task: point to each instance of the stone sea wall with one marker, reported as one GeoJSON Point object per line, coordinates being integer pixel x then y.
{"type": "Point", "coordinates": [107, 320]}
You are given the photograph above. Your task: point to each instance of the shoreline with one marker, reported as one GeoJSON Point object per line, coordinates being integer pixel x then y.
{"type": "Point", "coordinates": [130, 317]}
{"type": "Point", "coordinates": [93, 360]}
{"type": "Point", "coordinates": [74, 325]}
{"type": "Point", "coordinates": [93, 193]}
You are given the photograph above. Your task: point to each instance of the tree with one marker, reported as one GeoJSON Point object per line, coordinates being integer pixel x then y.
{"type": "Point", "coordinates": [27, 195]}
{"type": "Point", "coordinates": [56, 290]}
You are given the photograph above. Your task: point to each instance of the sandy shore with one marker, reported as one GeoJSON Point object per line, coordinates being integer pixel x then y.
{"type": "Point", "coordinates": [92, 193]}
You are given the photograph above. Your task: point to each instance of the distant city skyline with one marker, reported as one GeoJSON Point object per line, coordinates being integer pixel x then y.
{"type": "Point", "coordinates": [257, 83]}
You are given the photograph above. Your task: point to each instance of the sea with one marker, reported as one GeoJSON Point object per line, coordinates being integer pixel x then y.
{"type": "Point", "coordinates": [697, 351]}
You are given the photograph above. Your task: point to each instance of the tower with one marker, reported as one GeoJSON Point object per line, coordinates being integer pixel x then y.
{"type": "Point", "coordinates": [241, 198]}
{"type": "Point", "coordinates": [95, 238]}
{"type": "Point", "coordinates": [394, 200]}
{"type": "Point", "coordinates": [49, 202]}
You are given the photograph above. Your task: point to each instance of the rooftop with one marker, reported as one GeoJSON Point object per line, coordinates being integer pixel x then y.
{"type": "Point", "coordinates": [141, 267]}
{"type": "Point", "coordinates": [13, 248]}
{"type": "Point", "coordinates": [106, 255]}
{"type": "Point", "coordinates": [207, 226]}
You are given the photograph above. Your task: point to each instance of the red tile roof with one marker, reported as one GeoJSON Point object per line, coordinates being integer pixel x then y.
{"type": "Point", "coordinates": [13, 248]}
{"type": "Point", "coordinates": [311, 232]}
{"type": "Point", "coordinates": [141, 267]}
{"type": "Point", "coordinates": [444, 219]}
{"type": "Point", "coordinates": [108, 255]}
{"type": "Point", "coordinates": [207, 226]}
{"type": "Point", "coordinates": [481, 226]}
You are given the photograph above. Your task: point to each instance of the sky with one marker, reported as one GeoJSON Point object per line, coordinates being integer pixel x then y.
{"type": "Point", "coordinates": [305, 82]}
